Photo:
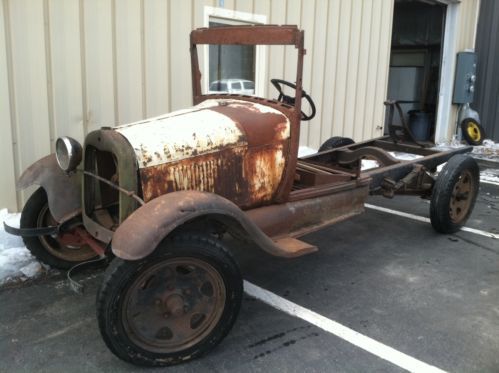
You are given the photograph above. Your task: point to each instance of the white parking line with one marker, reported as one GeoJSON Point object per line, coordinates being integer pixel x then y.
{"type": "Point", "coordinates": [426, 220]}
{"type": "Point", "coordinates": [368, 344]}
{"type": "Point", "coordinates": [488, 182]}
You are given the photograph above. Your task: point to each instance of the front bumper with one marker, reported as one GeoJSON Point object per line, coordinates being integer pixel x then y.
{"type": "Point", "coordinates": [31, 232]}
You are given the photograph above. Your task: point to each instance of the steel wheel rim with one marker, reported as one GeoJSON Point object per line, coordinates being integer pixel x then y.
{"type": "Point", "coordinates": [173, 305]}
{"type": "Point", "coordinates": [74, 250]}
{"type": "Point", "coordinates": [473, 131]}
{"type": "Point", "coordinates": [461, 197]}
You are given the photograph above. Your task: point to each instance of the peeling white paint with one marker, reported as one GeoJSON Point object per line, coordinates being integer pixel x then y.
{"type": "Point", "coordinates": [204, 105]}
{"type": "Point", "coordinates": [181, 135]}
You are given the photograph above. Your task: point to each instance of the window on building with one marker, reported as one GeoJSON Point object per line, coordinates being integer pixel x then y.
{"type": "Point", "coordinates": [233, 68]}
{"type": "Point", "coordinates": [231, 61]}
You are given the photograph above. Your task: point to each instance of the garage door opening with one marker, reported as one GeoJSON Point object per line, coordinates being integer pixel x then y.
{"type": "Point", "coordinates": [415, 63]}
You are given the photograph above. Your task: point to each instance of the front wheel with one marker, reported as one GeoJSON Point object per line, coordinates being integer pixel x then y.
{"type": "Point", "coordinates": [454, 194]}
{"type": "Point", "coordinates": [171, 306]}
{"type": "Point", "coordinates": [61, 250]}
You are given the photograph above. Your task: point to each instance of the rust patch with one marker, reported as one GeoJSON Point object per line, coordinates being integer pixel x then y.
{"type": "Point", "coordinates": [247, 35]}
{"type": "Point", "coordinates": [259, 127]}
{"type": "Point", "coordinates": [219, 172]}
{"type": "Point", "coordinates": [263, 167]}
{"type": "Point", "coordinates": [301, 217]}
{"type": "Point", "coordinates": [247, 177]}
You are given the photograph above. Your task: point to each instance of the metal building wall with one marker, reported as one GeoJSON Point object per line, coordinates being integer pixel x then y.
{"type": "Point", "coordinates": [487, 47]}
{"type": "Point", "coordinates": [70, 66]}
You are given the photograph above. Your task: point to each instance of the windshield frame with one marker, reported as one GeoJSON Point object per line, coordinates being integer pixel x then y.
{"type": "Point", "coordinates": [247, 35]}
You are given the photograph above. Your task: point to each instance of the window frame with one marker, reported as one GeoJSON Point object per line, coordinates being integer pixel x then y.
{"type": "Point", "coordinates": [232, 17]}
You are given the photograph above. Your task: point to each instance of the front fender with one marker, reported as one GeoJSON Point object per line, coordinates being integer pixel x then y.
{"type": "Point", "coordinates": [63, 191]}
{"type": "Point", "coordinates": [147, 226]}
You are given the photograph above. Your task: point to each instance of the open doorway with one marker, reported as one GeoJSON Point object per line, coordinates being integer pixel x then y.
{"type": "Point", "coordinates": [415, 63]}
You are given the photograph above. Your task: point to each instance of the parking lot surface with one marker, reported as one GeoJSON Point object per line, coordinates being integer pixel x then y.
{"type": "Point", "coordinates": [432, 297]}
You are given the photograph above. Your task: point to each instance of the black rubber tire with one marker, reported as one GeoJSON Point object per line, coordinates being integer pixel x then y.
{"type": "Point", "coordinates": [36, 205]}
{"type": "Point", "coordinates": [443, 190]}
{"type": "Point", "coordinates": [477, 134]}
{"type": "Point", "coordinates": [120, 276]}
{"type": "Point", "coordinates": [336, 142]}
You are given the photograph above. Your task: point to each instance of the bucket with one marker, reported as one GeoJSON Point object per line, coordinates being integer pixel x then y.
{"type": "Point", "coordinates": [419, 123]}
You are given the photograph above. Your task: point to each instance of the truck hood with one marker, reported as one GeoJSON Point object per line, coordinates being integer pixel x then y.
{"type": "Point", "coordinates": [211, 126]}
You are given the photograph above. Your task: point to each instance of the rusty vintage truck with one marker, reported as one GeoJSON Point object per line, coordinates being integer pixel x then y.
{"type": "Point", "coordinates": [157, 196]}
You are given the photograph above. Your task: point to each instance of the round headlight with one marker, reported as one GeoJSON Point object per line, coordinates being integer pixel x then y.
{"type": "Point", "coordinates": [68, 153]}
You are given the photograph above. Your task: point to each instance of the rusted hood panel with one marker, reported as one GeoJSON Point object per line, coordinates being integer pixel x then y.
{"type": "Point", "coordinates": [237, 149]}
{"type": "Point", "coordinates": [210, 126]}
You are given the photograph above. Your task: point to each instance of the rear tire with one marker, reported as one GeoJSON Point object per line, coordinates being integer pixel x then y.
{"type": "Point", "coordinates": [336, 142]}
{"type": "Point", "coordinates": [172, 306]}
{"type": "Point", "coordinates": [454, 194]}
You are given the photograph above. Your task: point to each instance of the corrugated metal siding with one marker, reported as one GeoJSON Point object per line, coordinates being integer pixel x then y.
{"type": "Point", "coordinates": [7, 135]}
{"type": "Point", "coordinates": [70, 66]}
{"type": "Point", "coordinates": [487, 47]}
{"type": "Point", "coordinates": [467, 23]}
{"type": "Point", "coordinates": [104, 62]}
{"type": "Point", "coordinates": [350, 49]}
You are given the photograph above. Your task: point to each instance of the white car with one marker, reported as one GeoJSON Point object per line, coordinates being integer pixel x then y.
{"type": "Point", "coordinates": [238, 86]}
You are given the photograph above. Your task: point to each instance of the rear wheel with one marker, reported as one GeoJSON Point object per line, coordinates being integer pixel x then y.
{"type": "Point", "coordinates": [172, 306]}
{"type": "Point", "coordinates": [63, 250]}
{"type": "Point", "coordinates": [454, 194]}
{"type": "Point", "coordinates": [336, 142]}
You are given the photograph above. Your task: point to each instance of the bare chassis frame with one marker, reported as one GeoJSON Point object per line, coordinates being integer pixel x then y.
{"type": "Point", "coordinates": [393, 176]}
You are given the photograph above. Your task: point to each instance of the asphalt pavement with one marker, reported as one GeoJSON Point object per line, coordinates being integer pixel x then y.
{"type": "Point", "coordinates": [433, 297]}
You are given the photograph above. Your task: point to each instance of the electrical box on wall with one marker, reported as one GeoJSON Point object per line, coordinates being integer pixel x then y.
{"type": "Point", "coordinates": [464, 84]}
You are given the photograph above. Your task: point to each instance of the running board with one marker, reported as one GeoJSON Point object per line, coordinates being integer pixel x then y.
{"type": "Point", "coordinates": [295, 247]}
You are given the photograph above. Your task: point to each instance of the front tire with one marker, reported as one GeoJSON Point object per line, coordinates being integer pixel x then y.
{"type": "Point", "coordinates": [63, 250]}
{"type": "Point", "coordinates": [172, 306]}
{"type": "Point", "coordinates": [454, 194]}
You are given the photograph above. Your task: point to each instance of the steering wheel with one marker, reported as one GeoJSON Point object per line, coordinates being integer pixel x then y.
{"type": "Point", "coordinates": [291, 100]}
